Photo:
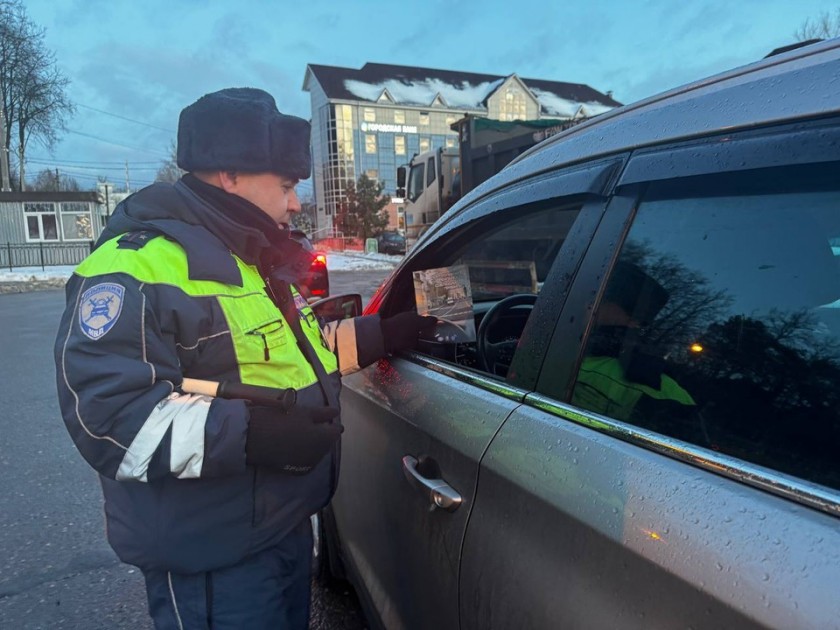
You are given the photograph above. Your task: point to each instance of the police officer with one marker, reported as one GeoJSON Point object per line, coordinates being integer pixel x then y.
{"type": "Point", "coordinates": [211, 497]}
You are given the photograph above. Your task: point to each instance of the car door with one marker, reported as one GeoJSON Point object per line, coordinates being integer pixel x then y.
{"type": "Point", "coordinates": [680, 471]}
{"type": "Point", "coordinates": [428, 417]}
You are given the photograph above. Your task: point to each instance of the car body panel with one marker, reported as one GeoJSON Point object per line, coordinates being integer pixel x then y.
{"type": "Point", "coordinates": [397, 544]}
{"type": "Point", "coordinates": [622, 537]}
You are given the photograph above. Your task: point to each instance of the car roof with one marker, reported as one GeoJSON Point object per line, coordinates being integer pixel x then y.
{"type": "Point", "coordinates": [795, 85]}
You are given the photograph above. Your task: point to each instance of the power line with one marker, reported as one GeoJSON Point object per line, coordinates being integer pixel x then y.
{"type": "Point", "coordinates": [61, 161]}
{"type": "Point", "coordinates": [125, 118]}
{"type": "Point", "coordinates": [74, 167]}
{"type": "Point", "coordinates": [125, 146]}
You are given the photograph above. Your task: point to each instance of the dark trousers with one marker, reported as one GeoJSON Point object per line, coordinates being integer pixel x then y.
{"type": "Point", "coordinates": [269, 590]}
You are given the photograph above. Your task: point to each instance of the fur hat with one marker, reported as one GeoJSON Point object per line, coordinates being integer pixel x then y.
{"type": "Point", "coordinates": [241, 129]}
{"type": "Point", "coordinates": [636, 292]}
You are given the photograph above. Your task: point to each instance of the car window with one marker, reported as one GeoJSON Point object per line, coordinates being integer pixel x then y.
{"type": "Point", "coordinates": [720, 322]}
{"type": "Point", "coordinates": [503, 254]}
{"type": "Point", "coordinates": [430, 171]}
{"type": "Point", "coordinates": [415, 182]}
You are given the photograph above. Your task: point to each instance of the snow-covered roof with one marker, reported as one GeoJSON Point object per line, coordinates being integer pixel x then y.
{"type": "Point", "coordinates": [463, 95]}
{"type": "Point", "coordinates": [555, 105]}
{"type": "Point", "coordinates": [408, 85]}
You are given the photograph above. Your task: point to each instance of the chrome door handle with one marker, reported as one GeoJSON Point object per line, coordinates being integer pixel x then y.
{"type": "Point", "coordinates": [439, 493]}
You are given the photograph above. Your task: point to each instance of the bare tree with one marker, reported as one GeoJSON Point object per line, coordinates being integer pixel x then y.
{"type": "Point", "coordinates": [169, 171]}
{"type": "Point", "coordinates": [825, 26]}
{"type": "Point", "coordinates": [49, 180]}
{"type": "Point", "coordinates": [34, 101]}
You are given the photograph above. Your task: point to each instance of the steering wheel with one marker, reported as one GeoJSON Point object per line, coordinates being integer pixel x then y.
{"type": "Point", "coordinates": [490, 354]}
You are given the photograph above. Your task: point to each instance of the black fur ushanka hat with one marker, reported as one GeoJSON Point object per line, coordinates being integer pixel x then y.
{"type": "Point", "coordinates": [241, 129]}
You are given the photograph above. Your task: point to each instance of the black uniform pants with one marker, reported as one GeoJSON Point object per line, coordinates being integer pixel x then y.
{"type": "Point", "coordinates": [269, 590]}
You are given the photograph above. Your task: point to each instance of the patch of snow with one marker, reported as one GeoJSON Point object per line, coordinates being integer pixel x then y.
{"type": "Point", "coordinates": [360, 261]}
{"type": "Point", "coordinates": [33, 274]}
{"type": "Point", "coordinates": [424, 92]}
{"type": "Point", "coordinates": [559, 106]}
{"type": "Point", "coordinates": [335, 262]}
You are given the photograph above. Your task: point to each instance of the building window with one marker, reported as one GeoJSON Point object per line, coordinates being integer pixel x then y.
{"type": "Point", "coordinates": [41, 222]}
{"type": "Point", "coordinates": [513, 105]}
{"type": "Point", "coordinates": [450, 142]}
{"type": "Point", "coordinates": [424, 144]}
{"type": "Point", "coordinates": [399, 116]}
{"type": "Point", "coordinates": [76, 222]}
{"type": "Point", "coordinates": [424, 118]}
{"type": "Point", "coordinates": [399, 145]}
{"type": "Point", "coordinates": [370, 143]}
{"type": "Point", "coordinates": [370, 114]}
{"type": "Point", "coordinates": [372, 174]}
{"type": "Point", "coordinates": [451, 118]}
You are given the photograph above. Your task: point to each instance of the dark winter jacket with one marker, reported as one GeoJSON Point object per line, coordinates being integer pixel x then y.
{"type": "Point", "coordinates": [174, 289]}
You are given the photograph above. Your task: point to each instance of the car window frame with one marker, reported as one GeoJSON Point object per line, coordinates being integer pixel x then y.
{"type": "Point", "coordinates": [566, 348]}
{"type": "Point", "coordinates": [542, 320]}
{"type": "Point", "coordinates": [584, 185]}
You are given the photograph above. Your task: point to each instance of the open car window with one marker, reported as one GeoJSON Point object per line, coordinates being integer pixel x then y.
{"type": "Point", "coordinates": [502, 255]}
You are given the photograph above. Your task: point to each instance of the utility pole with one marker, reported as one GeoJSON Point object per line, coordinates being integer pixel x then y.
{"type": "Point", "coordinates": [105, 188]}
{"type": "Point", "coordinates": [127, 181]}
{"type": "Point", "coordinates": [5, 186]}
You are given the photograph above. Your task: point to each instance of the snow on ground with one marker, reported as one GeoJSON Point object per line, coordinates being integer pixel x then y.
{"type": "Point", "coordinates": [353, 261]}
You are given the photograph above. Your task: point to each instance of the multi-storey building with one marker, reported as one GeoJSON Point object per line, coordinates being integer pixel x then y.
{"type": "Point", "coordinates": [376, 118]}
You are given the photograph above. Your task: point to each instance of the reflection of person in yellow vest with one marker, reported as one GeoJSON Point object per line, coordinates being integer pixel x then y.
{"type": "Point", "coordinates": [615, 378]}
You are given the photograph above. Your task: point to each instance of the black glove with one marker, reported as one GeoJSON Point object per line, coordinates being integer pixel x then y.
{"type": "Point", "coordinates": [292, 442]}
{"type": "Point", "coordinates": [401, 331]}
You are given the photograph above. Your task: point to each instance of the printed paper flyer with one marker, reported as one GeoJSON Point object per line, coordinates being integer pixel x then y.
{"type": "Point", "coordinates": [445, 293]}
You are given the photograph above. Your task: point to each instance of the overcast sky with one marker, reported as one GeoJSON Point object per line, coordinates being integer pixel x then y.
{"type": "Point", "coordinates": [145, 60]}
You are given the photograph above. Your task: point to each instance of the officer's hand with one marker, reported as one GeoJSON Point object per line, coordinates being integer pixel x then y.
{"type": "Point", "coordinates": [401, 331]}
{"type": "Point", "coordinates": [292, 442]}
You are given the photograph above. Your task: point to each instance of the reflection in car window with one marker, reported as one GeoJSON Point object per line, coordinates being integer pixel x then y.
{"type": "Point", "coordinates": [720, 324]}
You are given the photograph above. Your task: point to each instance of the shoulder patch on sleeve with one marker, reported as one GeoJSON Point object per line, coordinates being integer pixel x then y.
{"type": "Point", "coordinates": [100, 308]}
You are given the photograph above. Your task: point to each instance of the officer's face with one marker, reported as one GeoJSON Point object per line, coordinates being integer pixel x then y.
{"type": "Point", "coordinates": [272, 193]}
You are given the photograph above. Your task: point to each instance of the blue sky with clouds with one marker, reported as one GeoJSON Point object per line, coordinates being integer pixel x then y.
{"type": "Point", "coordinates": [144, 61]}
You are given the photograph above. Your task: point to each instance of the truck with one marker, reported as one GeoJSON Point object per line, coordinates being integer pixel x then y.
{"type": "Point", "coordinates": [434, 180]}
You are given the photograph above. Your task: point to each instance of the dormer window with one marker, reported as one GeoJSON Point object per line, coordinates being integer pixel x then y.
{"type": "Point", "coordinates": [513, 104]}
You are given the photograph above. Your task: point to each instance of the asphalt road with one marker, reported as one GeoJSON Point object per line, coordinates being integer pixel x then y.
{"type": "Point", "coordinates": [56, 569]}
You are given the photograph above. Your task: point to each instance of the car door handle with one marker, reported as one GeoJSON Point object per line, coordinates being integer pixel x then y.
{"type": "Point", "coordinates": [439, 493]}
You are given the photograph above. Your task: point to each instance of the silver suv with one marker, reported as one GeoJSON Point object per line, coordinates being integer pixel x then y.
{"type": "Point", "coordinates": [646, 431]}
